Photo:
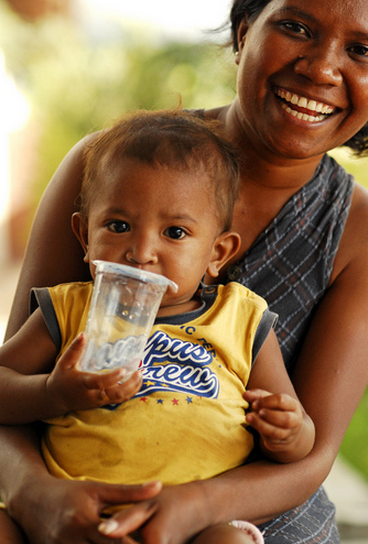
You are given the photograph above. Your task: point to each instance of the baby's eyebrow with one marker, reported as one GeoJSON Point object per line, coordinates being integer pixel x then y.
{"type": "Point", "coordinates": [180, 217]}
{"type": "Point", "coordinates": [362, 36]}
{"type": "Point", "coordinates": [115, 210]}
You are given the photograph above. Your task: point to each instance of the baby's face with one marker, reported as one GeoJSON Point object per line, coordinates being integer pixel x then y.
{"type": "Point", "coordinates": [158, 219]}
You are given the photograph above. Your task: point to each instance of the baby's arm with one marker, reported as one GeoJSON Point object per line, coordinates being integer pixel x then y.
{"type": "Point", "coordinates": [286, 431]}
{"type": "Point", "coordinates": [33, 388]}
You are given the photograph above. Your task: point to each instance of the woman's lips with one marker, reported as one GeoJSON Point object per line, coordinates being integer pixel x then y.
{"type": "Point", "coordinates": [304, 108]}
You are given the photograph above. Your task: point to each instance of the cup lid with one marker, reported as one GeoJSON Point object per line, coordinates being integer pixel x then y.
{"type": "Point", "coordinates": [142, 275]}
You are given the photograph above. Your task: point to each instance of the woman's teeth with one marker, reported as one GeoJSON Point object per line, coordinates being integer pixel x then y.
{"type": "Point", "coordinates": [292, 99]}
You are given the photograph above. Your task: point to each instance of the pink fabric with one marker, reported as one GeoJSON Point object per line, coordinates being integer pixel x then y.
{"type": "Point", "coordinates": [250, 529]}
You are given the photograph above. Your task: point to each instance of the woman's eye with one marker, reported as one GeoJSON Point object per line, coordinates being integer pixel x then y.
{"type": "Point", "coordinates": [118, 226]}
{"type": "Point", "coordinates": [295, 28]}
{"type": "Point", "coordinates": [176, 233]}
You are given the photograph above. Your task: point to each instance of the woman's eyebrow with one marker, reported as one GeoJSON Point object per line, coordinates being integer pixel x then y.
{"type": "Point", "coordinates": [296, 11]}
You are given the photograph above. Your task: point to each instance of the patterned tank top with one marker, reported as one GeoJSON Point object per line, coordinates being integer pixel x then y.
{"type": "Point", "coordinates": [290, 263]}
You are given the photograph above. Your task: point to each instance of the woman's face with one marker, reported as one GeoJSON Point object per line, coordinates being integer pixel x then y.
{"type": "Point", "coordinates": [303, 75]}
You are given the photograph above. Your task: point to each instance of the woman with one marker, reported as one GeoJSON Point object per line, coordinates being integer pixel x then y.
{"type": "Point", "coordinates": [302, 90]}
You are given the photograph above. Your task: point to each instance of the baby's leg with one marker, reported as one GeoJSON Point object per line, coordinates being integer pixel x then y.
{"type": "Point", "coordinates": [9, 532]}
{"type": "Point", "coordinates": [218, 534]}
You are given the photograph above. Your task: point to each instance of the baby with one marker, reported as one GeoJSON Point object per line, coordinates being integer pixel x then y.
{"type": "Point", "coordinates": [158, 194]}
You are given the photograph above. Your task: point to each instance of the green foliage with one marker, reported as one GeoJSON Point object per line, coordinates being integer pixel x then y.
{"type": "Point", "coordinates": [356, 166]}
{"type": "Point", "coordinates": [355, 444]}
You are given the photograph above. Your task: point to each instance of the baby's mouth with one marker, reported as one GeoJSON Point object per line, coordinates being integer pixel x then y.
{"type": "Point", "coordinates": [304, 108]}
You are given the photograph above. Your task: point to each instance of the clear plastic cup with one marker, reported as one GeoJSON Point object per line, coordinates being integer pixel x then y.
{"type": "Point", "coordinates": [124, 304]}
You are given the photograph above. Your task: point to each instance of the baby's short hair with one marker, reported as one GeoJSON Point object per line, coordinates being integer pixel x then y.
{"type": "Point", "coordinates": [173, 138]}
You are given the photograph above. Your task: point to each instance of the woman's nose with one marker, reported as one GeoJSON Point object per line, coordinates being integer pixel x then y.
{"type": "Point", "coordinates": [321, 65]}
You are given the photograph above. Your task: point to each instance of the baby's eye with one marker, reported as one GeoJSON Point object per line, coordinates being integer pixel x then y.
{"type": "Point", "coordinates": [176, 233]}
{"type": "Point", "coordinates": [118, 226]}
{"type": "Point", "coordinates": [359, 50]}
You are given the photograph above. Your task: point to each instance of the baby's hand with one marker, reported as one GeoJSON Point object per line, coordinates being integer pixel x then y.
{"type": "Point", "coordinates": [71, 389]}
{"type": "Point", "coordinates": [279, 419]}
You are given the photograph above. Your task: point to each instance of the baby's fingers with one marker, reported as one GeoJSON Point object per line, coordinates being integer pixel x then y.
{"type": "Point", "coordinates": [112, 387]}
{"type": "Point", "coordinates": [103, 380]}
{"type": "Point", "coordinates": [273, 437]}
{"type": "Point", "coordinates": [72, 354]}
{"type": "Point", "coordinates": [123, 391]}
{"type": "Point", "coordinates": [250, 395]}
{"type": "Point", "coordinates": [276, 401]}
{"type": "Point", "coordinates": [273, 422]}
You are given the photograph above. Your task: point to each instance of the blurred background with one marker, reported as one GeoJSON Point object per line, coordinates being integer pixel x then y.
{"type": "Point", "coordinates": [68, 67]}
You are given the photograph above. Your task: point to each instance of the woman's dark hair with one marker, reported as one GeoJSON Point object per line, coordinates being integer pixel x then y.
{"type": "Point", "coordinates": [241, 9]}
{"type": "Point", "coordinates": [250, 9]}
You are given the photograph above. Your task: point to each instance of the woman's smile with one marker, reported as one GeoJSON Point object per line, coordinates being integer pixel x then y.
{"type": "Point", "coordinates": [303, 108]}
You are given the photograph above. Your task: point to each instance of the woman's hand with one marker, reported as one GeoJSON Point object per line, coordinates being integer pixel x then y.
{"type": "Point", "coordinates": [68, 512]}
{"type": "Point", "coordinates": [175, 515]}
{"type": "Point", "coordinates": [71, 389]}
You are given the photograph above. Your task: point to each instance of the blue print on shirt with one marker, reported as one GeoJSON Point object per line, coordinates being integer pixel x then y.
{"type": "Point", "coordinates": [171, 364]}
{"type": "Point", "coordinates": [177, 365]}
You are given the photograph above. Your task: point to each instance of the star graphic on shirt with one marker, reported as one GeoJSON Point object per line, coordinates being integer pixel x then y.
{"type": "Point", "coordinates": [143, 399]}
{"type": "Point", "coordinates": [148, 383]}
{"type": "Point", "coordinates": [175, 402]}
{"type": "Point", "coordinates": [189, 400]}
{"type": "Point", "coordinates": [159, 401]}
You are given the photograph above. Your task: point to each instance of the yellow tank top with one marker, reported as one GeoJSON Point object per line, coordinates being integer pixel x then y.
{"type": "Point", "coordinates": [187, 422]}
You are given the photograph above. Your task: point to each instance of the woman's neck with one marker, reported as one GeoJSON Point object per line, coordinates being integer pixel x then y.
{"type": "Point", "coordinates": [268, 180]}
{"type": "Point", "coordinates": [261, 165]}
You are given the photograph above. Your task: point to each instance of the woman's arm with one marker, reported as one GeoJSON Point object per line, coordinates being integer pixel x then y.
{"type": "Point", "coordinates": [330, 378]}
{"type": "Point", "coordinates": [45, 266]}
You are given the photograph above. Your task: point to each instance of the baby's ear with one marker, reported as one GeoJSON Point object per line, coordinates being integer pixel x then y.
{"type": "Point", "coordinates": [80, 229]}
{"type": "Point", "coordinates": [226, 246]}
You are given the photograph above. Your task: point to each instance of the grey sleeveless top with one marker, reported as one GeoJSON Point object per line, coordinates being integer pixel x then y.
{"type": "Point", "coordinates": [291, 261]}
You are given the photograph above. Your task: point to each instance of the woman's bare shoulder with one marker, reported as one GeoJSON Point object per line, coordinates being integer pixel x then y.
{"type": "Point", "coordinates": [53, 253]}
{"type": "Point", "coordinates": [360, 199]}
{"type": "Point", "coordinates": [73, 160]}
{"type": "Point", "coordinates": [357, 223]}
{"type": "Point", "coordinates": [216, 113]}
{"type": "Point", "coordinates": [353, 247]}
